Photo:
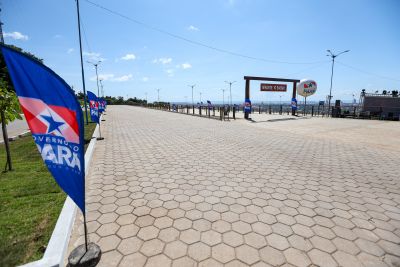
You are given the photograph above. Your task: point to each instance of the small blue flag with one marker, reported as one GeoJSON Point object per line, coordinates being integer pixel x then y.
{"type": "Point", "coordinates": [294, 104]}
{"type": "Point", "coordinates": [247, 105]}
{"type": "Point", "coordinates": [101, 105]}
{"type": "Point", "coordinates": [55, 119]}
{"type": "Point", "coordinates": [94, 106]}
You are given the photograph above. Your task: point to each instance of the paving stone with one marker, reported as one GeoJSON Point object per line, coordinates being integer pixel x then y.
{"type": "Point", "coordinates": [321, 258]}
{"type": "Point", "coordinates": [346, 246]}
{"type": "Point", "coordinates": [323, 244]}
{"type": "Point", "coordinates": [184, 261]}
{"type": "Point", "coordinates": [211, 237]}
{"type": "Point", "coordinates": [300, 243]}
{"type": "Point", "coordinates": [190, 236]}
{"type": "Point", "coordinates": [168, 235]}
{"type": "Point", "coordinates": [175, 249]}
{"type": "Point", "coordinates": [108, 243]}
{"type": "Point", "coordinates": [129, 245]}
{"type": "Point", "coordinates": [296, 257]}
{"type": "Point", "coordinates": [148, 232]}
{"type": "Point", "coordinates": [369, 247]}
{"type": "Point", "coordinates": [272, 256]}
{"type": "Point", "coordinates": [277, 241]}
{"type": "Point", "coordinates": [110, 258]}
{"type": "Point", "coordinates": [346, 260]}
{"type": "Point", "coordinates": [255, 240]}
{"type": "Point", "coordinates": [199, 251]}
{"type": "Point", "coordinates": [371, 261]}
{"type": "Point", "coordinates": [223, 253]}
{"type": "Point", "coordinates": [247, 254]}
{"type": "Point", "coordinates": [151, 202]}
{"type": "Point", "coordinates": [152, 247]}
{"type": "Point", "coordinates": [137, 258]}
{"type": "Point", "coordinates": [159, 260]}
{"type": "Point", "coordinates": [233, 239]}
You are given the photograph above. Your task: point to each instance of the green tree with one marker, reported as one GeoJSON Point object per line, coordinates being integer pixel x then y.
{"type": "Point", "coordinates": [9, 111]}
{"type": "Point", "coordinates": [9, 106]}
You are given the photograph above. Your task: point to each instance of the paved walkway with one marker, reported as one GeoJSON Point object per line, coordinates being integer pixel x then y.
{"type": "Point", "coordinates": [169, 189]}
{"type": "Point", "coordinates": [15, 128]}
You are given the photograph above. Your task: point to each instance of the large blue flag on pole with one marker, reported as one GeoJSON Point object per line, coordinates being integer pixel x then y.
{"type": "Point", "coordinates": [55, 119]}
{"type": "Point", "coordinates": [94, 106]}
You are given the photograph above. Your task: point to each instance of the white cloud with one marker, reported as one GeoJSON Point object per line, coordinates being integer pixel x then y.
{"type": "Point", "coordinates": [93, 56]}
{"type": "Point", "coordinates": [111, 77]}
{"type": "Point", "coordinates": [192, 28]}
{"type": "Point", "coordinates": [57, 36]}
{"type": "Point", "coordinates": [123, 78]}
{"type": "Point", "coordinates": [163, 60]}
{"type": "Point", "coordinates": [69, 51]}
{"type": "Point", "coordinates": [128, 57]}
{"type": "Point", "coordinates": [170, 72]}
{"type": "Point", "coordinates": [145, 79]}
{"type": "Point", "coordinates": [16, 36]}
{"type": "Point", "coordinates": [104, 77]}
{"type": "Point", "coordinates": [186, 66]}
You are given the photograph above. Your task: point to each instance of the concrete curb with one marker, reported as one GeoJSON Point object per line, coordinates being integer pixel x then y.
{"type": "Point", "coordinates": [13, 138]}
{"type": "Point", "coordinates": [58, 244]}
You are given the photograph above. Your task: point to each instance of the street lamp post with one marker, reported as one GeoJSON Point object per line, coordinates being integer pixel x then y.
{"type": "Point", "coordinates": [230, 90]}
{"type": "Point", "coordinates": [333, 56]}
{"type": "Point", "coordinates": [158, 96]}
{"type": "Point", "coordinates": [200, 98]}
{"type": "Point", "coordinates": [146, 97]}
{"type": "Point", "coordinates": [102, 90]}
{"type": "Point", "coordinates": [97, 76]}
{"type": "Point", "coordinates": [223, 97]}
{"type": "Point", "coordinates": [192, 93]}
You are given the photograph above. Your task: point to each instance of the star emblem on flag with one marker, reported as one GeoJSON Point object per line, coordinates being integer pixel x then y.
{"type": "Point", "coordinates": [53, 124]}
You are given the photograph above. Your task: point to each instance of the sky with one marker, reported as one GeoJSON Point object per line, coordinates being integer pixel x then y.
{"type": "Point", "coordinates": [170, 44]}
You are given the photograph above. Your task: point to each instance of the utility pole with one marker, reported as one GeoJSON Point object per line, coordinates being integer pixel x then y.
{"type": "Point", "coordinates": [146, 96]}
{"type": "Point", "coordinates": [192, 93]}
{"type": "Point", "coordinates": [3, 117]}
{"type": "Point", "coordinates": [82, 70]}
{"type": "Point", "coordinates": [333, 56]}
{"type": "Point", "coordinates": [230, 90]}
{"type": "Point", "coordinates": [158, 96]}
{"type": "Point", "coordinates": [97, 75]}
{"type": "Point", "coordinates": [200, 98]}
{"type": "Point", "coordinates": [102, 90]}
{"type": "Point", "coordinates": [223, 97]}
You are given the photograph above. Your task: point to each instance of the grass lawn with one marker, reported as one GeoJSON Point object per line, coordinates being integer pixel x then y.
{"type": "Point", "coordinates": [30, 202]}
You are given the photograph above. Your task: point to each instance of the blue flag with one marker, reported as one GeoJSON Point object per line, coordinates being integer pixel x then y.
{"type": "Point", "coordinates": [55, 119]}
{"type": "Point", "coordinates": [247, 105]}
{"type": "Point", "coordinates": [101, 105]}
{"type": "Point", "coordinates": [94, 106]}
{"type": "Point", "coordinates": [294, 104]}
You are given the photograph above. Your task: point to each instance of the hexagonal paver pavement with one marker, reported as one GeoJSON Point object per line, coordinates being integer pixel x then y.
{"type": "Point", "coordinates": [166, 189]}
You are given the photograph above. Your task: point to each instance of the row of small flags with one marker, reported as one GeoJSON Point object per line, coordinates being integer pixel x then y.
{"type": "Point", "coordinates": [55, 119]}
{"type": "Point", "coordinates": [97, 106]}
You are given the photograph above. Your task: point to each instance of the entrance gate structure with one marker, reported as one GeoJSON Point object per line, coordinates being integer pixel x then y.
{"type": "Point", "coordinates": [252, 78]}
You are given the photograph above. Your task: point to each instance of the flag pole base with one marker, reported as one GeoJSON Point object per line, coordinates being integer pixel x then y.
{"type": "Point", "coordinates": [100, 138]}
{"type": "Point", "coordinates": [80, 257]}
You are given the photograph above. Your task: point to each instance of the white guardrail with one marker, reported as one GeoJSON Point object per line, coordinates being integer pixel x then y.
{"type": "Point", "coordinates": [58, 245]}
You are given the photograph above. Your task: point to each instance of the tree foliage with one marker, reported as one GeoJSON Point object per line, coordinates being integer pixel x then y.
{"type": "Point", "coordinates": [9, 103]}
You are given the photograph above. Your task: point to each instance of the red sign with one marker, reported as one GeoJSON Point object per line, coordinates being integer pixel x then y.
{"type": "Point", "coordinates": [273, 87]}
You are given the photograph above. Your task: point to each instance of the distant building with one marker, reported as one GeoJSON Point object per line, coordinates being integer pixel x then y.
{"type": "Point", "coordinates": [385, 105]}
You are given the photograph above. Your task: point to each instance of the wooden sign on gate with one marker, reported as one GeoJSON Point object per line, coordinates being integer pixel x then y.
{"type": "Point", "coordinates": [273, 87]}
